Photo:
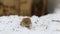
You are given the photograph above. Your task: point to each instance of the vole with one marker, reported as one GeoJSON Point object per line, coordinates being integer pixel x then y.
{"type": "Point", "coordinates": [26, 22]}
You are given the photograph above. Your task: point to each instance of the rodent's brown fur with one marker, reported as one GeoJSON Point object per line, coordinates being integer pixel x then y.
{"type": "Point", "coordinates": [26, 22]}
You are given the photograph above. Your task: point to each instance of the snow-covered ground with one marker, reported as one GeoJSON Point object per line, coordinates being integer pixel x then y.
{"type": "Point", "coordinates": [48, 24]}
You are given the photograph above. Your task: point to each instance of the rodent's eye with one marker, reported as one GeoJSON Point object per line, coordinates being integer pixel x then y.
{"type": "Point", "coordinates": [26, 23]}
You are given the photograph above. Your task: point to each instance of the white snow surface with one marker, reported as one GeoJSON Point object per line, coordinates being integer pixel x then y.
{"type": "Point", "coordinates": [48, 24]}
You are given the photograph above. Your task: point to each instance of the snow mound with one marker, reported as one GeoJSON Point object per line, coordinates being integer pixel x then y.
{"type": "Point", "coordinates": [48, 24]}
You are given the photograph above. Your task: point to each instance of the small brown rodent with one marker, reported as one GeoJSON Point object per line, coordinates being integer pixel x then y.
{"type": "Point", "coordinates": [26, 22]}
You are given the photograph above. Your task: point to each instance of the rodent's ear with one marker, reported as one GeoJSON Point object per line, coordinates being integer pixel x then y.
{"type": "Point", "coordinates": [1, 3]}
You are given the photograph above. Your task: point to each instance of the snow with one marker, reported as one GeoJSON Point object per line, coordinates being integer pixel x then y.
{"type": "Point", "coordinates": [48, 24]}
